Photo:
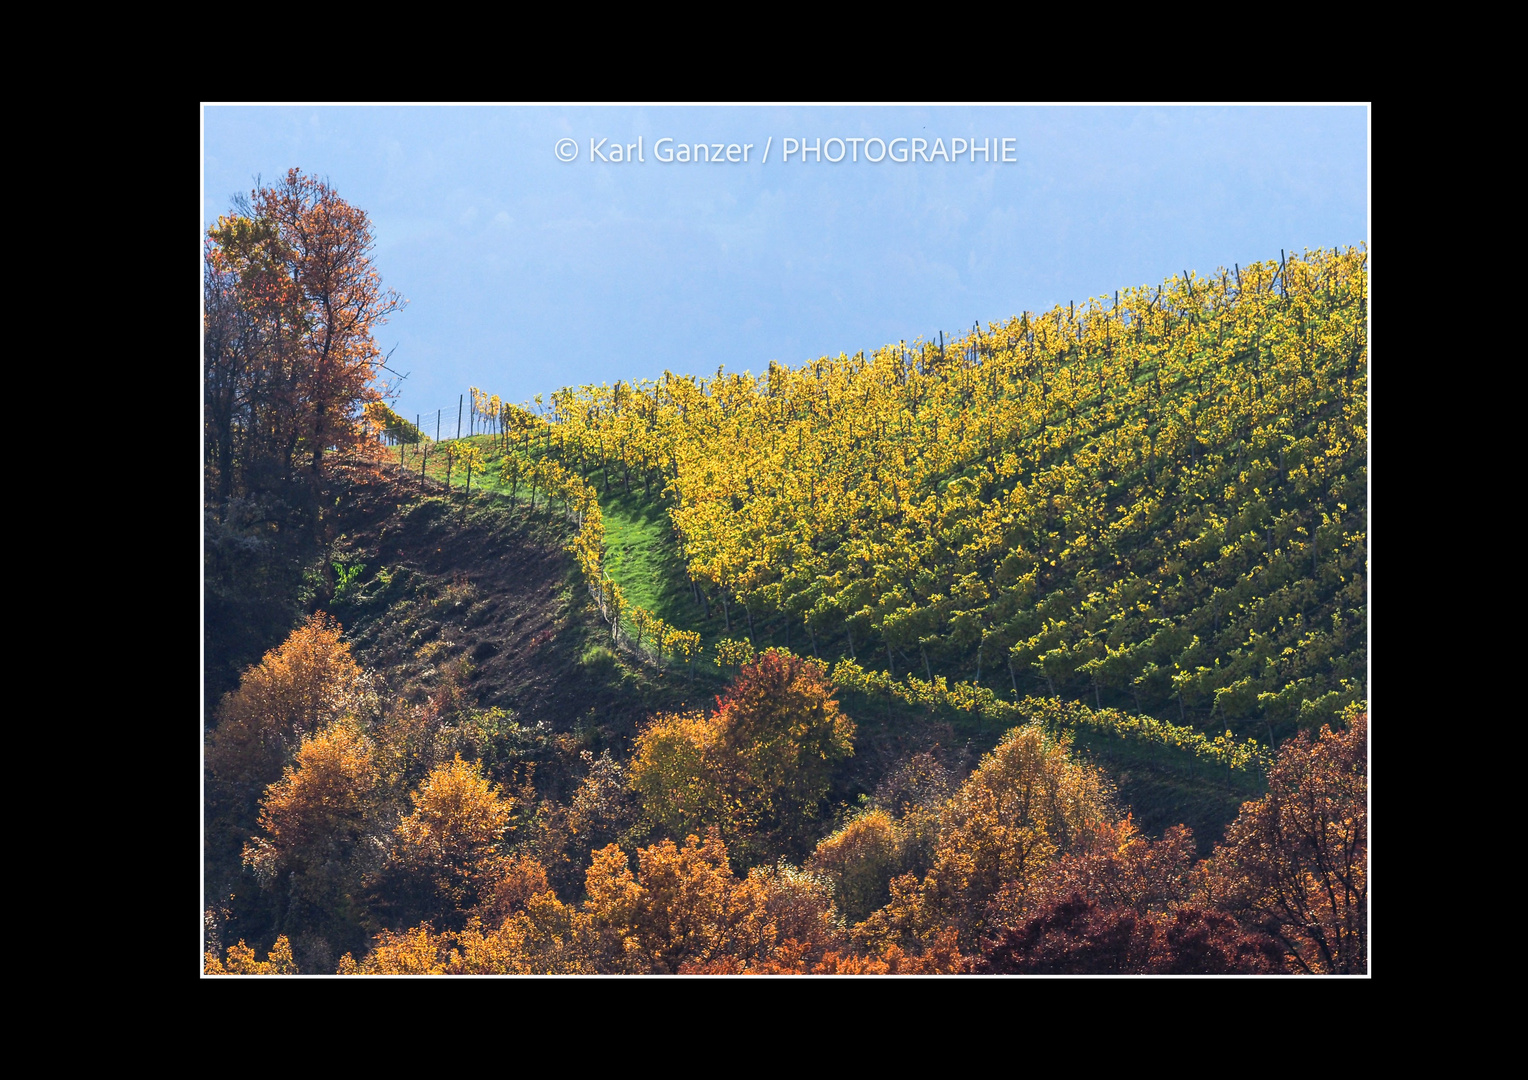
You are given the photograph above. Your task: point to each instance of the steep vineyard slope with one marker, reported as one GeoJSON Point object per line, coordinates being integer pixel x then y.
{"type": "Point", "coordinates": [1154, 502]}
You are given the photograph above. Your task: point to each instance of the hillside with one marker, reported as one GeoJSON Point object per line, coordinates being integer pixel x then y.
{"type": "Point", "coordinates": [794, 638]}
{"type": "Point", "coordinates": [1155, 503]}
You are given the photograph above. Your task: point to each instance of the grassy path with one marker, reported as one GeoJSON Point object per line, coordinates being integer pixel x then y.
{"type": "Point", "coordinates": [640, 553]}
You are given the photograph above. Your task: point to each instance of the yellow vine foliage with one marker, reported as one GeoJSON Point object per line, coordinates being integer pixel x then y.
{"type": "Point", "coordinates": [1101, 500]}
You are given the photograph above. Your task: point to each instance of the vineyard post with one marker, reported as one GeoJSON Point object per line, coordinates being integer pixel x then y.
{"type": "Point", "coordinates": [437, 425]}
{"type": "Point", "coordinates": [459, 415]}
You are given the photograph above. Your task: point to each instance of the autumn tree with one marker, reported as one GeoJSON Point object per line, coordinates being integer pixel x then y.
{"type": "Point", "coordinates": [894, 835]}
{"type": "Point", "coordinates": [307, 682]}
{"type": "Point", "coordinates": [294, 299]}
{"type": "Point", "coordinates": [1121, 903]}
{"type": "Point", "coordinates": [447, 849]}
{"type": "Point", "coordinates": [782, 721]}
{"type": "Point", "coordinates": [603, 810]}
{"type": "Point", "coordinates": [683, 772]}
{"type": "Point", "coordinates": [1027, 802]}
{"type": "Point", "coordinates": [684, 909]}
{"type": "Point", "coordinates": [291, 301]}
{"type": "Point", "coordinates": [758, 767]}
{"type": "Point", "coordinates": [1294, 863]}
{"type": "Point", "coordinates": [683, 906]}
{"type": "Point", "coordinates": [242, 961]}
{"type": "Point", "coordinates": [1080, 935]}
{"type": "Point", "coordinates": [311, 821]}
{"type": "Point", "coordinates": [860, 859]}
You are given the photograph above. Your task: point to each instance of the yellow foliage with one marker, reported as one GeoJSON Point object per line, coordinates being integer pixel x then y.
{"type": "Point", "coordinates": [683, 910]}
{"type": "Point", "coordinates": [757, 768]}
{"type": "Point", "coordinates": [860, 860]}
{"type": "Point", "coordinates": [310, 680]}
{"type": "Point", "coordinates": [316, 808]}
{"type": "Point", "coordinates": [454, 830]}
{"type": "Point", "coordinates": [241, 961]}
{"type": "Point", "coordinates": [681, 771]}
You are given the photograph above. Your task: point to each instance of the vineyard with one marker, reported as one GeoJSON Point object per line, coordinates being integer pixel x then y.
{"type": "Point", "coordinates": [1153, 504]}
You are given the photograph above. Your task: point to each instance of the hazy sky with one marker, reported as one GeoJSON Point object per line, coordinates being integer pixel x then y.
{"type": "Point", "coordinates": [525, 273]}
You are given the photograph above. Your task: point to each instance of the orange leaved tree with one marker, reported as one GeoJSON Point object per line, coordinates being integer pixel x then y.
{"type": "Point", "coordinates": [447, 849]}
{"type": "Point", "coordinates": [305, 683]}
{"type": "Point", "coordinates": [758, 768]}
{"type": "Point", "coordinates": [293, 300]}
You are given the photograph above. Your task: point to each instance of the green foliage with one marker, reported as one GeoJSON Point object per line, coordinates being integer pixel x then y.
{"type": "Point", "coordinates": [346, 579]}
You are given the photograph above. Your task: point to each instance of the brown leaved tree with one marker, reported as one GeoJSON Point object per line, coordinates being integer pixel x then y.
{"type": "Point", "coordinates": [292, 301]}
{"type": "Point", "coordinates": [1294, 864]}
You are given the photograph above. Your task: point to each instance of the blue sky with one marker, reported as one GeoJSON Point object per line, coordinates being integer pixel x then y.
{"type": "Point", "coordinates": [525, 273]}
